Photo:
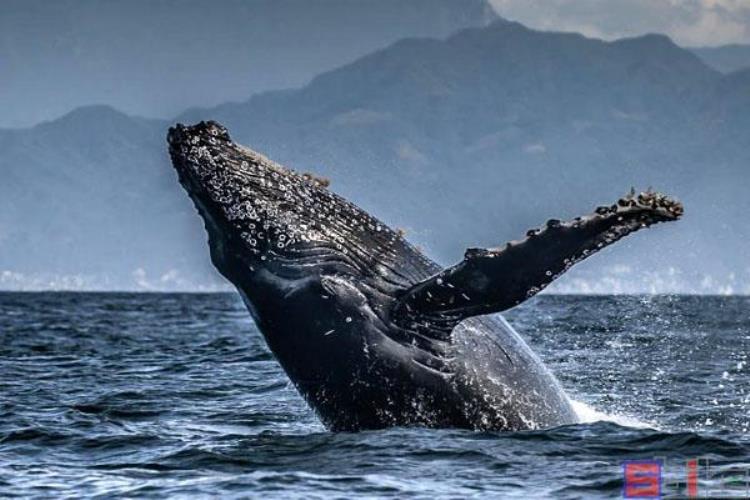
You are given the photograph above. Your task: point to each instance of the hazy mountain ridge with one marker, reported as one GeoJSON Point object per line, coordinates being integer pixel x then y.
{"type": "Point", "coordinates": [92, 196]}
{"type": "Point", "coordinates": [159, 57]}
{"type": "Point", "coordinates": [466, 141]}
{"type": "Point", "coordinates": [725, 58]}
{"type": "Point", "coordinates": [555, 111]}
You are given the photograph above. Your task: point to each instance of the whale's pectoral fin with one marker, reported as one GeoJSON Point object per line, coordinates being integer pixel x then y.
{"type": "Point", "coordinates": [492, 280]}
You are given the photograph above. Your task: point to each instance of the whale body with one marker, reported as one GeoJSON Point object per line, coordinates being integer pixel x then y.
{"type": "Point", "coordinates": [370, 331]}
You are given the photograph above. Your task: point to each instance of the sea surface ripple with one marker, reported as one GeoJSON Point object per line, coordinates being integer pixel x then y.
{"type": "Point", "coordinates": [177, 395]}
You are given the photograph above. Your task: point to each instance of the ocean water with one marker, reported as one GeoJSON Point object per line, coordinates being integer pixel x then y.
{"type": "Point", "coordinates": [177, 395]}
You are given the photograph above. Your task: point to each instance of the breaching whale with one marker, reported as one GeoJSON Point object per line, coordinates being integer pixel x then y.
{"type": "Point", "coordinates": [370, 331]}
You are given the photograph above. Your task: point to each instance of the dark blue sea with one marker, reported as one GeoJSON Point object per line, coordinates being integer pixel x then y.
{"type": "Point", "coordinates": [153, 395]}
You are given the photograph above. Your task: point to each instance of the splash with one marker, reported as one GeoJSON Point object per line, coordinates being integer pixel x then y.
{"type": "Point", "coordinates": [589, 414]}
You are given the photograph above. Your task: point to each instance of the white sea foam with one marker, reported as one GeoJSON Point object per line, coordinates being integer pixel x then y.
{"type": "Point", "coordinates": [588, 415]}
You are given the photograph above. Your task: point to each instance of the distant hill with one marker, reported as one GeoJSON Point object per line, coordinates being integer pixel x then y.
{"type": "Point", "coordinates": [90, 201]}
{"type": "Point", "coordinates": [464, 142]}
{"type": "Point", "coordinates": [158, 57]}
{"type": "Point", "coordinates": [726, 58]}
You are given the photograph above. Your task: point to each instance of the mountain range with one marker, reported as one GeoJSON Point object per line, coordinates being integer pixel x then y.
{"type": "Point", "coordinates": [464, 141]}
{"type": "Point", "coordinates": [158, 57]}
{"type": "Point", "coordinates": [725, 58]}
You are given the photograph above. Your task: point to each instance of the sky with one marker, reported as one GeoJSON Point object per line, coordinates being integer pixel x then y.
{"type": "Point", "coordinates": [687, 22]}
{"type": "Point", "coordinates": [59, 55]}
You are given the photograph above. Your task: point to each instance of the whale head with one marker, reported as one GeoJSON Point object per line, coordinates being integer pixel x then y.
{"type": "Point", "coordinates": [247, 202]}
{"type": "Point", "coordinates": [263, 215]}
{"type": "Point", "coordinates": [299, 255]}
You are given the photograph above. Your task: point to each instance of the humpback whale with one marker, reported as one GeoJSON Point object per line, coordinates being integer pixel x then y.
{"type": "Point", "coordinates": [370, 331]}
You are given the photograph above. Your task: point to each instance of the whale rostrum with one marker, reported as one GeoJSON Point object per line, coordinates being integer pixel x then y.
{"type": "Point", "coordinates": [370, 331]}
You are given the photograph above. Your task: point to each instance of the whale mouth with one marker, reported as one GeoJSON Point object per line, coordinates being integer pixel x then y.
{"type": "Point", "coordinates": [273, 212]}
{"type": "Point", "coordinates": [240, 187]}
{"type": "Point", "coordinates": [247, 202]}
